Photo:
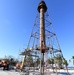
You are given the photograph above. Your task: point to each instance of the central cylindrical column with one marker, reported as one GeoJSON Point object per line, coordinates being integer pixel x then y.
{"type": "Point", "coordinates": [42, 40]}
{"type": "Point", "coordinates": [42, 29]}
{"type": "Point", "coordinates": [42, 9]}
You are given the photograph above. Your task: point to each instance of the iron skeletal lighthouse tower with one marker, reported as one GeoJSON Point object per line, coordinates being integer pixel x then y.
{"type": "Point", "coordinates": [43, 43]}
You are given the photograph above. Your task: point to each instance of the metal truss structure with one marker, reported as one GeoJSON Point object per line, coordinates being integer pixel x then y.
{"type": "Point", "coordinates": [43, 42]}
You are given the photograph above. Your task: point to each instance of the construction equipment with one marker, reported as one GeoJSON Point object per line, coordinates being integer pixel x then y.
{"type": "Point", "coordinates": [18, 65]}
{"type": "Point", "coordinates": [4, 63]}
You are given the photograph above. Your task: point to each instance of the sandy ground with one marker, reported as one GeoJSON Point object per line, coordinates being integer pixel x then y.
{"type": "Point", "coordinates": [48, 72]}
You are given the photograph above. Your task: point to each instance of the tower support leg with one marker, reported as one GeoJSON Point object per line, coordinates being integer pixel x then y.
{"type": "Point", "coordinates": [42, 64]}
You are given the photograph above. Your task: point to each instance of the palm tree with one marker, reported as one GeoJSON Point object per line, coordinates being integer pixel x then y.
{"type": "Point", "coordinates": [65, 62]}
{"type": "Point", "coordinates": [37, 62]}
{"type": "Point", "coordinates": [29, 61]}
{"type": "Point", "coordinates": [73, 59]}
{"type": "Point", "coordinates": [48, 61]}
{"type": "Point", "coordinates": [69, 60]}
{"type": "Point", "coordinates": [52, 61]}
{"type": "Point", "coordinates": [58, 60]}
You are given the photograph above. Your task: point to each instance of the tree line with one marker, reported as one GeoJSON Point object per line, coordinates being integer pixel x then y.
{"type": "Point", "coordinates": [31, 62]}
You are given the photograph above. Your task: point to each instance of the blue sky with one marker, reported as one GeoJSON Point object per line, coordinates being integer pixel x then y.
{"type": "Point", "coordinates": [17, 18]}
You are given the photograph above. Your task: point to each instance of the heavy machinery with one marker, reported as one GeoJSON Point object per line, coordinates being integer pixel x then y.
{"type": "Point", "coordinates": [4, 63]}
{"type": "Point", "coordinates": [18, 65]}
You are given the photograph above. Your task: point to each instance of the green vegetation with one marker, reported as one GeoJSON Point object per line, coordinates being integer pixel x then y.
{"type": "Point", "coordinates": [73, 59]}
{"type": "Point", "coordinates": [31, 62]}
{"type": "Point", "coordinates": [65, 62]}
{"type": "Point", "coordinates": [58, 60]}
